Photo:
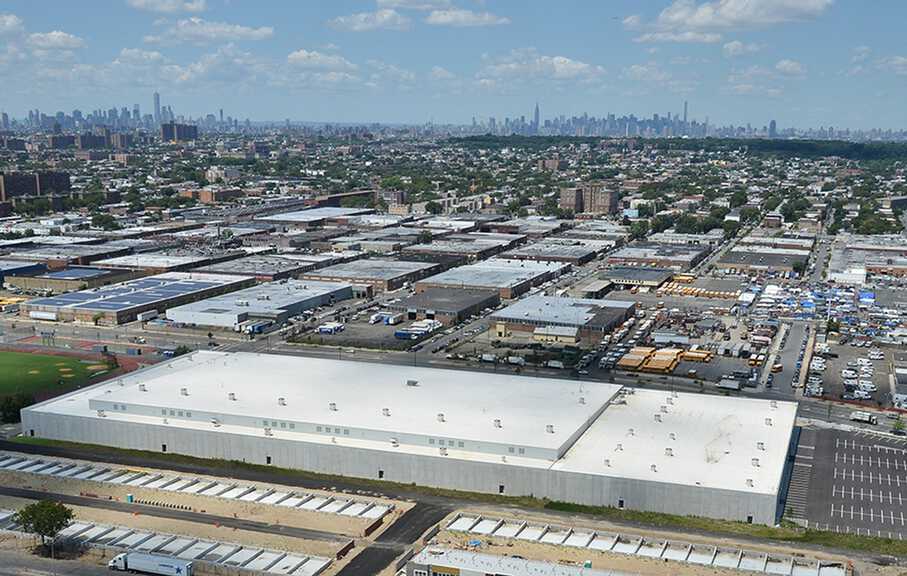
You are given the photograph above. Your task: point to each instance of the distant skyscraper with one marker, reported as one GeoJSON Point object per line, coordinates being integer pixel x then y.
{"type": "Point", "coordinates": [157, 108]}
{"type": "Point", "coordinates": [535, 119]}
{"type": "Point", "coordinates": [684, 111]}
{"type": "Point", "coordinates": [4, 121]}
{"type": "Point", "coordinates": [772, 129]}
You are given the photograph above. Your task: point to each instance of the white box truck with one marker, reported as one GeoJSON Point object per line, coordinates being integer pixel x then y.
{"type": "Point", "coordinates": [864, 417]}
{"type": "Point", "coordinates": [150, 564]}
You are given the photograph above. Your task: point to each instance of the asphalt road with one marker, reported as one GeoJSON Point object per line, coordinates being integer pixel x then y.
{"type": "Point", "coordinates": [24, 564]}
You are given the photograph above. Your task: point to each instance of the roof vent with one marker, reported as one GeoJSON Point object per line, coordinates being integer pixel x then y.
{"type": "Point", "coordinates": [669, 451]}
{"type": "Point", "coordinates": [582, 399]}
{"type": "Point", "coordinates": [386, 411]}
{"type": "Point", "coordinates": [412, 383]}
{"type": "Point", "coordinates": [281, 401]}
{"type": "Point", "coordinates": [443, 451]}
{"type": "Point", "coordinates": [549, 428]}
{"type": "Point", "coordinates": [619, 447]}
{"type": "Point", "coordinates": [497, 423]}
{"type": "Point", "coordinates": [631, 432]}
{"type": "Point", "coordinates": [184, 391]}
{"type": "Point", "coordinates": [232, 396]}
{"type": "Point", "coordinates": [654, 468]}
{"type": "Point", "coordinates": [658, 417]}
{"type": "Point", "coordinates": [749, 482]}
{"type": "Point", "coordinates": [760, 445]}
{"type": "Point", "coordinates": [395, 443]}
{"type": "Point", "coordinates": [672, 435]}
{"type": "Point", "coordinates": [774, 404]}
{"type": "Point", "coordinates": [332, 406]}
{"type": "Point", "coordinates": [607, 462]}
{"type": "Point", "coordinates": [143, 388]}
{"type": "Point", "coordinates": [755, 462]}
{"type": "Point", "coordinates": [768, 421]}
{"type": "Point", "coordinates": [670, 400]}
{"type": "Point", "coordinates": [664, 409]}
{"type": "Point", "coordinates": [268, 432]}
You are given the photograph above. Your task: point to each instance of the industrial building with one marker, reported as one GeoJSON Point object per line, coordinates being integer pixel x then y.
{"type": "Point", "coordinates": [160, 262]}
{"type": "Point", "coordinates": [274, 302]}
{"type": "Point", "coordinates": [448, 306]}
{"type": "Point", "coordinates": [510, 278]}
{"type": "Point", "coordinates": [589, 319]}
{"type": "Point", "coordinates": [572, 250]}
{"type": "Point", "coordinates": [124, 302]}
{"type": "Point", "coordinates": [637, 276]}
{"type": "Point", "coordinates": [757, 259]}
{"type": "Point", "coordinates": [71, 279]}
{"type": "Point", "coordinates": [382, 275]}
{"type": "Point", "coordinates": [61, 255]}
{"type": "Point", "coordinates": [265, 268]}
{"type": "Point", "coordinates": [587, 442]}
{"type": "Point", "coordinates": [855, 257]}
{"type": "Point", "coordinates": [674, 256]}
{"type": "Point", "coordinates": [12, 268]}
{"type": "Point", "coordinates": [474, 245]}
{"type": "Point", "coordinates": [314, 217]}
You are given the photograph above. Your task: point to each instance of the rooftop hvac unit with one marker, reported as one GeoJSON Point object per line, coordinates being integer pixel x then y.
{"type": "Point", "coordinates": [654, 468]}
{"type": "Point", "coordinates": [184, 391]}
{"type": "Point", "coordinates": [755, 462]}
{"type": "Point", "coordinates": [102, 414]}
{"type": "Point", "coordinates": [216, 422]}
{"type": "Point", "coordinates": [143, 388]}
{"type": "Point", "coordinates": [663, 408]}
{"type": "Point", "coordinates": [760, 445]}
{"type": "Point", "coordinates": [631, 432]}
{"type": "Point", "coordinates": [749, 482]}
{"type": "Point", "coordinates": [774, 403]}
{"type": "Point", "coordinates": [443, 451]}
{"type": "Point", "coordinates": [281, 401]}
{"type": "Point", "coordinates": [268, 432]}
{"type": "Point", "coordinates": [582, 399]}
{"type": "Point", "coordinates": [412, 383]}
{"type": "Point", "coordinates": [607, 462]}
{"type": "Point", "coordinates": [386, 411]}
{"type": "Point", "coordinates": [332, 406]}
{"type": "Point", "coordinates": [549, 428]}
{"type": "Point", "coordinates": [670, 400]}
{"type": "Point", "coordinates": [672, 435]}
{"type": "Point", "coordinates": [395, 443]}
{"type": "Point", "coordinates": [441, 417]}
{"type": "Point", "coordinates": [658, 417]}
{"type": "Point", "coordinates": [232, 396]}
{"type": "Point", "coordinates": [669, 451]}
{"type": "Point", "coordinates": [497, 423]}
{"type": "Point", "coordinates": [619, 447]}
{"type": "Point", "coordinates": [768, 421]}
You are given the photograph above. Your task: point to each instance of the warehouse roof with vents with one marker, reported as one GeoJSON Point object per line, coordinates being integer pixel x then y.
{"type": "Point", "coordinates": [582, 427]}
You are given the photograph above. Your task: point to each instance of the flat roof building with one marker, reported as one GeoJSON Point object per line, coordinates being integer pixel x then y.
{"type": "Point", "coordinates": [593, 318]}
{"type": "Point", "coordinates": [71, 279]}
{"type": "Point", "coordinates": [11, 268]}
{"type": "Point", "coordinates": [383, 275]}
{"type": "Point", "coordinates": [272, 301]}
{"type": "Point", "coordinates": [674, 256]}
{"type": "Point", "coordinates": [262, 267]}
{"type": "Point", "coordinates": [572, 250]}
{"type": "Point", "coordinates": [587, 442]}
{"type": "Point", "coordinates": [757, 259]}
{"type": "Point", "coordinates": [474, 245]}
{"type": "Point", "coordinates": [637, 276]}
{"type": "Point", "coordinates": [121, 303]}
{"type": "Point", "coordinates": [159, 262]}
{"type": "Point", "coordinates": [510, 278]}
{"type": "Point", "coordinates": [314, 217]}
{"type": "Point", "coordinates": [446, 305]}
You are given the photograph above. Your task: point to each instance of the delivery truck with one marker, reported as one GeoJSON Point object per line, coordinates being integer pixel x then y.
{"type": "Point", "coordinates": [150, 564]}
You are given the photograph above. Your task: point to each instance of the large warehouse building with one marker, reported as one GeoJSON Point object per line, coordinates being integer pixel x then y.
{"type": "Point", "coordinates": [586, 442]}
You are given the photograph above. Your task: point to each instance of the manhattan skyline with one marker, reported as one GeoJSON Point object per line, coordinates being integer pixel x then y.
{"type": "Point", "coordinates": [804, 64]}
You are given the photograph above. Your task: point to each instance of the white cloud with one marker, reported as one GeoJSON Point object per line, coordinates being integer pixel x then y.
{"type": "Point", "coordinates": [227, 65]}
{"type": "Point", "coordinates": [683, 37]}
{"type": "Point", "coordinates": [861, 54]}
{"type": "Point", "coordinates": [384, 72]}
{"type": "Point", "coordinates": [169, 6]}
{"type": "Point", "coordinates": [384, 19]}
{"type": "Point", "coordinates": [138, 56]}
{"type": "Point", "coordinates": [10, 24]}
{"type": "Point", "coordinates": [789, 67]}
{"type": "Point", "coordinates": [528, 65]}
{"type": "Point", "coordinates": [736, 48]}
{"type": "Point", "coordinates": [56, 40]}
{"type": "Point", "coordinates": [729, 14]}
{"type": "Point", "coordinates": [896, 64]}
{"type": "Point", "coordinates": [313, 60]}
{"type": "Point", "coordinates": [632, 22]}
{"type": "Point", "coordinates": [414, 4]}
{"type": "Point", "coordinates": [464, 18]}
{"type": "Point", "coordinates": [201, 31]}
{"type": "Point", "coordinates": [441, 73]}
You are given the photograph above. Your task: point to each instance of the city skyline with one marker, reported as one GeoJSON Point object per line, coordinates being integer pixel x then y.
{"type": "Point", "coordinates": [803, 64]}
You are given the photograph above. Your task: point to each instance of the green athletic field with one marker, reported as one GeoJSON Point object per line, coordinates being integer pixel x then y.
{"type": "Point", "coordinates": [21, 372]}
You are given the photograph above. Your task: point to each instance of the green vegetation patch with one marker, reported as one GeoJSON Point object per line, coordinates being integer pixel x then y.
{"type": "Point", "coordinates": [24, 373]}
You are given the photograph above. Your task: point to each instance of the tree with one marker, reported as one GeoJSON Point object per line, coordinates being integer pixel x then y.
{"type": "Point", "coordinates": [181, 350]}
{"type": "Point", "coordinates": [799, 267]}
{"type": "Point", "coordinates": [731, 228]}
{"type": "Point", "coordinates": [44, 518]}
{"type": "Point", "coordinates": [425, 237]}
{"type": "Point", "coordinates": [738, 198]}
{"type": "Point", "coordinates": [639, 229]}
{"type": "Point", "coordinates": [433, 207]}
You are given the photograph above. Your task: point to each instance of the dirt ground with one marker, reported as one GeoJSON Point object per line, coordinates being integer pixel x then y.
{"type": "Point", "coordinates": [334, 523]}
{"type": "Point", "coordinates": [620, 562]}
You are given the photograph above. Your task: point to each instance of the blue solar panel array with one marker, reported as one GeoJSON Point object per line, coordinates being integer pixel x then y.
{"type": "Point", "coordinates": [124, 296]}
{"type": "Point", "coordinates": [76, 274]}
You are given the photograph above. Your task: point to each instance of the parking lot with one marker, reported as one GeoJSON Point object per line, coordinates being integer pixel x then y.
{"type": "Point", "coordinates": [834, 383]}
{"type": "Point", "coordinates": [856, 483]}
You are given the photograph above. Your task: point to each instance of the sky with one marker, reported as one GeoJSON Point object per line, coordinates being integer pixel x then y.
{"type": "Point", "coordinates": [803, 63]}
